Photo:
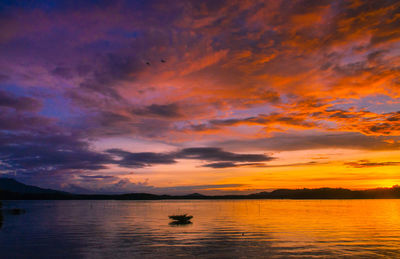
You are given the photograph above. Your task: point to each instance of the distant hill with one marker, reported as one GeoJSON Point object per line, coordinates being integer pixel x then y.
{"type": "Point", "coordinates": [330, 193]}
{"type": "Point", "coordinates": [10, 185]}
{"type": "Point", "coordinates": [11, 189]}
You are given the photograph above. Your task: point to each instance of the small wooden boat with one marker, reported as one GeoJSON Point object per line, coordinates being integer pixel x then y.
{"type": "Point", "coordinates": [181, 218]}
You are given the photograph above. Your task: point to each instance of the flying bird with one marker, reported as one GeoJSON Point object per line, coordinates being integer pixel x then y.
{"type": "Point", "coordinates": [163, 61]}
{"type": "Point", "coordinates": [148, 63]}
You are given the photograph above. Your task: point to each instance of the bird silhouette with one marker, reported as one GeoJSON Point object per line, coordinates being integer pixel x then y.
{"type": "Point", "coordinates": [163, 61]}
{"type": "Point", "coordinates": [148, 63]}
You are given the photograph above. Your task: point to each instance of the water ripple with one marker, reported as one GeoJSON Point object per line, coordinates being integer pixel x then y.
{"type": "Point", "coordinates": [220, 229]}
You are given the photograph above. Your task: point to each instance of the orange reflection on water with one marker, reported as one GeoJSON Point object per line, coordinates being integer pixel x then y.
{"type": "Point", "coordinates": [220, 229]}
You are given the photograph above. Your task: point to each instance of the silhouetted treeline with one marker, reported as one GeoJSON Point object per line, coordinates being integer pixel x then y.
{"type": "Point", "coordinates": [331, 193]}
{"type": "Point", "coordinates": [26, 192]}
{"type": "Point", "coordinates": [321, 193]}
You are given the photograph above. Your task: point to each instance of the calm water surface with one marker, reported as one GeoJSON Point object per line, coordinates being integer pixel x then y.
{"type": "Point", "coordinates": [220, 229]}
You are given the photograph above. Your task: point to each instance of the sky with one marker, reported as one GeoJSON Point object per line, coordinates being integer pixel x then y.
{"type": "Point", "coordinates": [215, 97]}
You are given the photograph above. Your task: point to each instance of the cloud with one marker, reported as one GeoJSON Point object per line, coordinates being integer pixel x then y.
{"type": "Point", "coordinates": [107, 185]}
{"type": "Point", "coordinates": [18, 103]}
{"type": "Point", "coordinates": [314, 116]}
{"type": "Point", "coordinates": [217, 154]}
{"type": "Point", "coordinates": [139, 160]}
{"type": "Point", "coordinates": [231, 164]}
{"type": "Point", "coordinates": [112, 70]}
{"type": "Point", "coordinates": [34, 144]}
{"type": "Point", "coordinates": [259, 165]}
{"type": "Point", "coordinates": [264, 72]}
{"type": "Point", "coordinates": [290, 120]}
{"type": "Point", "coordinates": [171, 110]}
{"type": "Point", "coordinates": [119, 123]}
{"type": "Point", "coordinates": [96, 177]}
{"type": "Point", "coordinates": [117, 185]}
{"type": "Point", "coordinates": [367, 163]}
{"type": "Point", "coordinates": [35, 154]}
{"type": "Point", "coordinates": [221, 165]}
{"type": "Point", "coordinates": [291, 142]}
{"type": "Point", "coordinates": [62, 72]}
{"type": "Point", "coordinates": [275, 52]}
{"type": "Point", "coordinates": [15, 121]}
{"type": "Point", "coordinates": [224, 158]}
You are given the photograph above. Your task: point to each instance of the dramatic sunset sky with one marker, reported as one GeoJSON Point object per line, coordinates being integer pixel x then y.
{"type": "Point", "coordinates": [200, 96]}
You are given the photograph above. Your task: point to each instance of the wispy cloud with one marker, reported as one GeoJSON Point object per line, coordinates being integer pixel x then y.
{"type": "Point", "coordinates": [367, 163]}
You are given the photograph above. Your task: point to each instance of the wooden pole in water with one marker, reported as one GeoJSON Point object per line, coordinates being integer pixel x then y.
{"type": "Point", "coordinates": [1, 215]}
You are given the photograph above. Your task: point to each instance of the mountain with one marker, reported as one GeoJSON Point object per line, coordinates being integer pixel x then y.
{"type": "Point", "coordinates": [11, 185]}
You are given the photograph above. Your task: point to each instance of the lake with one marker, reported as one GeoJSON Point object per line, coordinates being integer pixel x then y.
{"type": "Point", "coordinates": [220, 229]}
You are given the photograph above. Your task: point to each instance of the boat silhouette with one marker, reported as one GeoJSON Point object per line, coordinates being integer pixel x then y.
{"type": "Point", "coordinates": [181, 218]}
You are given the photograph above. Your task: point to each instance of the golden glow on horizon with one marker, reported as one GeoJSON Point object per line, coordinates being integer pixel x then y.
{"type": "Point", "coordinates": [361, 170]}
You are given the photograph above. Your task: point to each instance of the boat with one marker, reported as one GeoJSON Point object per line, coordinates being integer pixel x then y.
{"type": "Point", "coordinates": [181, 218]}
